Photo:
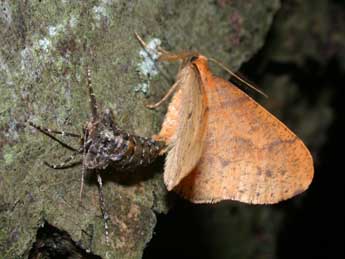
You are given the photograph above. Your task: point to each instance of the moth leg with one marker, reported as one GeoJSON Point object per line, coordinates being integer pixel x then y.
{"type": "Point", "coordinates": [52, 131]}
{"type": "Point", "coordinates": [166, 96]}
{"type": "Point", "coordinates": [160, 51]}
{"type": "Point", "coordinates": [42, 130]}
{"type": "Point", "coordinates": [82, 181]}
{"type": "Point", "coordinates": [83, 166]}
{"type": "Point", "coordinates": [64, 164]}
{"type": "Point", "coordinates": [103, 209]}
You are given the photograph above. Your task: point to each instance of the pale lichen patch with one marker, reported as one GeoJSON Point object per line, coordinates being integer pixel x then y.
{"type": "Point", "coordinates": [147, 66]}
{"type": "Point", "coordinates": [5, 12]}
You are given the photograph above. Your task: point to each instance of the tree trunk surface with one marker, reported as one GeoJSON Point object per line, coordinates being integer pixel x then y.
{"type": "Point", "coordinates": [45, 47]}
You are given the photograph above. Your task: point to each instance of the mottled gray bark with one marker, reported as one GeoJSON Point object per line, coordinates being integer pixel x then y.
{"type": "Point", "coordinates": [42, 66]}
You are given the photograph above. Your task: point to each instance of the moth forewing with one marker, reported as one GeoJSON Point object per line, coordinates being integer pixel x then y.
{"type": "Point", "coordinates": [188, 111]}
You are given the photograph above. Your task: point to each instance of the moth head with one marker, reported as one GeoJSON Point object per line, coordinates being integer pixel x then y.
{"type": "Point", "coordinates": [199, 60]}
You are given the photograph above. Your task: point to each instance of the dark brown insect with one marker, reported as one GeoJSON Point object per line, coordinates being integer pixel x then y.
{"type": "Point", "coordinates": [104, 145]}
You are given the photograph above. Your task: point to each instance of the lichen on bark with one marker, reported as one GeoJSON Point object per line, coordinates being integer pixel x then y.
{"type": "Point", "coordinates": [43, 53]}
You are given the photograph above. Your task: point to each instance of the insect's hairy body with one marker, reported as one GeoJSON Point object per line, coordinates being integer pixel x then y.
{"type": "Point", "coordinates": [109, 146]}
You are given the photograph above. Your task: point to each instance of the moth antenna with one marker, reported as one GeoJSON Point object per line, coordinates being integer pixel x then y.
{"type": "Point", "coordinates": [238, 77]}
{"type": "Point", "coordinates": [103, 209]}
{"type": "Point", "coordinates": [141, 41]}
{"type": "Point", "coordinates": [171, 57]}
{"type": "Point", "coordinates": [92, 97]}
{"type": "Point", "coordinates": [64, 164]}
{"type": "Point", "coordinates": [166, 75]}
{"type": "Point", "coordinates": [165, 97]}
{"type": "Point", "coordinates": [165, 55]}
{"type": "Point", "coordinates": [43, 130]}
{"type": "Point", "coordinates": [160, 50]}
{"type": "Point", "coordinates": [163, 50]}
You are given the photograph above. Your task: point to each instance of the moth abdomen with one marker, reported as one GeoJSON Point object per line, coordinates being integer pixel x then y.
{"type": "Point", "coordinates": [139, 151]}
{"type": "Point", "coordinates": [113, 147]}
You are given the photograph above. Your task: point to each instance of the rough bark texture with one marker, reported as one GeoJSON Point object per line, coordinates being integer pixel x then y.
{"type": "Point", "coordinates": [43, 54]}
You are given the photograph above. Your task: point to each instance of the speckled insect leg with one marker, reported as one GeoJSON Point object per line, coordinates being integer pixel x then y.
{"type": "Point", "coordinates": [52, 137]}
{"type": "Point", "coordinates": [64, 164]}
{"type": "Point", "coordinates": [83, 169]}
{"type": "Point", "coordinates": [165, 97]}
{"type": "Point", "coordinates": [103, 209]}
{"type": "Point", "coordinates": [53, 131]}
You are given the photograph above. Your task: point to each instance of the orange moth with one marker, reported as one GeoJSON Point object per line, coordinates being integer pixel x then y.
{"type": "Point", "coordinates": [224, 145]}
